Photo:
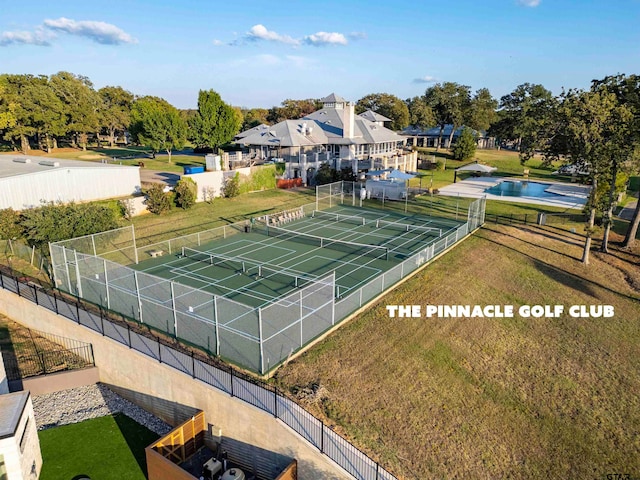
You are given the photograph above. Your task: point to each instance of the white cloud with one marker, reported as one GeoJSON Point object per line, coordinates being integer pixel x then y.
{"type": "Point", "coordinates": [217, 42]}
{"type": "Point", "coordinates": [326, 38]}
{"type": "Point", "coordinates": [529, 3]}
{"type": "Point", "coordinates": [39, 37]}
{"type": "Point", "coordinates": [99, 32]}
{"type": "Point", "coordinates": [425, 79]}
{"type": "Point", "coordinates": [260, 32]}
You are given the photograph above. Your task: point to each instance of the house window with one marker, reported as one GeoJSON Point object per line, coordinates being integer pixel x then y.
{"type": "Point", "coordinates": [23, 439]}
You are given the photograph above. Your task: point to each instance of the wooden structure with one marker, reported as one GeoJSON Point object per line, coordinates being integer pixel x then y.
{"type": "Point", "coordinates": [166, 454]}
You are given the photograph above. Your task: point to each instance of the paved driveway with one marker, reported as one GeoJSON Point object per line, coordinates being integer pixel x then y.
{"type": "Point", "coordinates": [155, 176]}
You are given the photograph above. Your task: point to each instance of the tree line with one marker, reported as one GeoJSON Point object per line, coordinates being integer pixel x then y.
{"type": "Point", "coordinates": [40, 111]}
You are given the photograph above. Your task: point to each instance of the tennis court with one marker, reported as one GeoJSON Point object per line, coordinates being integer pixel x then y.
{"type": "Point", "coordinates": [259, 290]}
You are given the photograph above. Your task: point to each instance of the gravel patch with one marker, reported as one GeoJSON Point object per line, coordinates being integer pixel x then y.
{"type": "Point", "coordinates": [92, 401]}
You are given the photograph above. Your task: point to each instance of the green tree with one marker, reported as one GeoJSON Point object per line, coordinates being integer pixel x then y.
{"type": "Point", "coordinates": [54, 222]}
{"type": "Point", "coordinates": [158, 201]}
{"type": "Point", "coordinates": [7, 108]}
{"type": "Point", "coordinates": [81, 105]}
{"type": "Point", "coordinates": [254, 117]}
{"type": "Point", "coordinates": [451, 104]}
{"type": "Point", "coordinates": [466, 145]}
{"type": "Point", "coordinates": [186, 193]}
{"type": "Point", "coordinates": [10, 228]}
{"type": "Point", "coordinates": [626, 88]}
{"type": "Point", "coordinates": [525, 115]}
{"type": "Point", "coordinates": [215, 123]}
{"type": "Point", "coordinates": [115, 111]}
{"type": "Point", "coordinates": [483, 110]}
{"type": "Point", "coordinates": [325, 174]}
{"type": "Point", "coordinates": [18, 108]}
{"type": "Point", "coordinates": [231, 186]}
{"type": "Point", "coordinates": [158, 125]}
{"type": "Point", "coordinates": [388, 105]}
{"type": "Point", "coordinates": [592, 125]}
{"type": "Point", "coordinates": [292, 110]}
{"type": "Point", "coordinates": [420, 114]}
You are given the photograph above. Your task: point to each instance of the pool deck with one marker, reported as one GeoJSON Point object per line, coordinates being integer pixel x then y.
{"type": "Point", "coordinates": [569, 195]}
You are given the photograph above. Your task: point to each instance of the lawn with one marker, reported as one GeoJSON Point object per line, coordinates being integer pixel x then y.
{"type": "Point", "coordinates": [507, 162]}
{"type": "Point", "coordinates": [154, 228]}
{"type": "Point", "coordinates": [104, 448]}
{"type": "Point", "coordinates": [491, 397]}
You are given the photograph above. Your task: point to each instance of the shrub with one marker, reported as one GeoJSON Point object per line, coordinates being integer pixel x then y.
{"type": "Point", "coordinates": [186, 193]}
{"type": "Point", "coordinates": [10, 228]}
{"type": "Point", "coordinates": [232, 186]}
{"type": "Point", "coordinates": [465, 146]}
{"type": "Point", "coordinates": [158, 201]}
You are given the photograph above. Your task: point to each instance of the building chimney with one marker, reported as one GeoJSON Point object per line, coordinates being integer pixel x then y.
{"type": "Point", "coordinates": [348, 120]}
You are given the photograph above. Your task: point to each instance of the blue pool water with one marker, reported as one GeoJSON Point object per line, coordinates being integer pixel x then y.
{"type": "Point", "coordinates": [521, 189]}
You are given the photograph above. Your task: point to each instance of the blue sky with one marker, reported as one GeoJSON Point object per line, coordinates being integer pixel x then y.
{"type": "Point", "coordinates": [258, 53]}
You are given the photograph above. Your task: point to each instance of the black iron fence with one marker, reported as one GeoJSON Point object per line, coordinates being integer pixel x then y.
{"type": "Point", "coordinates": [535, 218]}
{"type": "Point", "coordinates": [19, 366]}
{"type": "Point", "coordinates": [208, 370]}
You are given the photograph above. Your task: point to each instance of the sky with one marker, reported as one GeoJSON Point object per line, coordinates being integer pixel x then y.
{"type": "Point", "coordinates": [259, 53]}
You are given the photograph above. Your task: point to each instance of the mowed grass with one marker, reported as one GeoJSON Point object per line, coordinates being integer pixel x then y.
{"type": "Point", "coordinates": [491, 397]}
{"type": "Point", "coordinates": [107, 448]}
{"type": "Point", "coordinates": [507, 163]}
{"type": "Point", "coordinates": [152, 228]}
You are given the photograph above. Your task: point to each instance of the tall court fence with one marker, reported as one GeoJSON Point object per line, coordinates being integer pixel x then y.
{"type": "Point", "coordinates": [256, 338]}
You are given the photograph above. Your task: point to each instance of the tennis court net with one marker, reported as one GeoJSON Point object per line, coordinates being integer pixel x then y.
{"type": "Point", "coordinates": [352, 248]}
{"type": "Point", "coordinates": [406, 227]}
{"type": "Point", "coordinates": [250, 267]}
{"type": "Point", "coordinates": [339, 217]}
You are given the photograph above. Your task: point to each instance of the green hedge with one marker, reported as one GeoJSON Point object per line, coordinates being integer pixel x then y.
{"type": "Point", "coordinates": [261, 178]}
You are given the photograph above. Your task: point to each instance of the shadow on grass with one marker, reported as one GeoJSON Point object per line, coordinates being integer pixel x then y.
{"type": "Point", "coordinates": [569, 279]}
{"type": "Point", "coordinates": [137, 438]}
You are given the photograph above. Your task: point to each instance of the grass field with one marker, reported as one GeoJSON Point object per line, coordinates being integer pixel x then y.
{"type": "Point", "coordinates": [491, 397]}
{"type": "Point", "coordinates": [106, 448]}
{"type": "Point", "coordinates": [507, 162]}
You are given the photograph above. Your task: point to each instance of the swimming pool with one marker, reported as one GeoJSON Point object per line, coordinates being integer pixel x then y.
{"type": "Point", "coordinates": [518, 188]}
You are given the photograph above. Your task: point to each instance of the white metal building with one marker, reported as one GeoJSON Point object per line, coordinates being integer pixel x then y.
{"type": "Point", "coordinates": [26, 181]}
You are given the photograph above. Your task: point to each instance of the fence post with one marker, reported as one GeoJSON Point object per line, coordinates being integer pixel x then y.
{"type": "Point", "coordinates": [129, 334]}
{"type": "Point", "coordinates": [193, 365]}
{"type": "Point", "coordinates": [55, 302]}
{"type": "Point", "coordinates": [102, 321]}
{"type": "Point", "coordinates": [275, 402]}
{"type": "Point", "coordinates": [93, 358]}
{"type": "Point", "coordinates": [231, 369]}
{"type": "Point", "coordinates": [377, 469]}
{"type": "Point", "coordinates": [159, 351]}
{"type": "Point", "coordinates": [35, 294]}
{"type": "Point", "coordinates": [78, 310]}
{"type": "Point", "coordinates": [17, 285]}
{"type": "Point", "coordinates": [321, 436]}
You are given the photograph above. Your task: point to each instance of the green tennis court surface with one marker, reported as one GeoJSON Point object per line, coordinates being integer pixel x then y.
{"type": "Point", "coordinates": [280, 255]}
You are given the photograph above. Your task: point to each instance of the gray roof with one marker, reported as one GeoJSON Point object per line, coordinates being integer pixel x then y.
{"type": "Point", "coordinates": [11, 408]}
{"type": "Point", "coordinates": [257, 129]}
{"type": "Point", "coordinates": [333, 98]}
{"type": "Point", "coordinates": [374, 117]}
{"type": "Point", "coordinates": [326, 129]}
{"type": "Point", "coordinates": [435, 131]}
{"type": "Point", "coordinates": [13, 165]}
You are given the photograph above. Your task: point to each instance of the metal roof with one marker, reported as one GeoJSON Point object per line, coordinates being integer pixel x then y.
{"type": "Point", "coordinates": [333, 98]}
{"type": "Point", "coordinates": [11, 408]}
{"type": "Point", "coordinates": [326, 127]}
{"type": "Point", "coordinates": [374, 116]}
{"type": "Point", "coordinates": [14, 165]}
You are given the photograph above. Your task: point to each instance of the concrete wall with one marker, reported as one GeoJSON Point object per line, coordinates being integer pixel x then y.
{"type": "Point", "coordinates": [170, 394]}
{"type": "Point", "coordinates": [4, 384]}
{"type": "Point", "coordinates": [213, 181]}
{"type": "Point", "coordinates": [56, 382]}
